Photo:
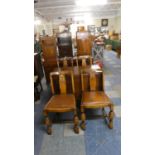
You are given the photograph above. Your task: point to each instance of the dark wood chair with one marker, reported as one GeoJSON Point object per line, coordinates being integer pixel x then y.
{"type": "Point", "coordinates": [64, 42]}
{"type": "Point", "coordinates": [93, 98]}
{"type": "Point", "coordinates": [62, 102]}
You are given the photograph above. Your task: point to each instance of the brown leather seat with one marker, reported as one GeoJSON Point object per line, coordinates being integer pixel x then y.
{"type": "Point", "coordinates": [61, 103]}
{"type": "Point", "coordinates": [94, 99]}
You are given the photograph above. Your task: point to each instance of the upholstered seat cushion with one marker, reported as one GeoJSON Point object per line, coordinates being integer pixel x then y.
{"type": "Point", "coordinates": [61, 103]}
{"type": "Point", "coordinates": [94, 99]}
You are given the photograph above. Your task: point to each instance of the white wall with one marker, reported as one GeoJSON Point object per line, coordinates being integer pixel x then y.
{"type": "Point", "coordinates": [113, 23]}
{"type": "Point", "coordinates": [42, 24]}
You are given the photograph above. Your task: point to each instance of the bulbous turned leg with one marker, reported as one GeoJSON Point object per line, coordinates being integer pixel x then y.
{"type": "Point", "coordinates": [111, 116]}
{"type": "Point", "coordinates": [83, 118]}
{"type": "Point", "coordinates": [48, 123]}
{"type": "Point", "coordinates": [76, 123]}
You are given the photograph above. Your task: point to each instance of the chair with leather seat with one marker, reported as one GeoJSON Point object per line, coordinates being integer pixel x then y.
{"type": "Point", "coordinates": [92, 98]}
{"type": "Point", "coordinates": [62, 102]}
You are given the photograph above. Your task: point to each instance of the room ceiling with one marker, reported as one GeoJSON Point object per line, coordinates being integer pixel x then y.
{"type": "Point", "coordinates": [58, 9]}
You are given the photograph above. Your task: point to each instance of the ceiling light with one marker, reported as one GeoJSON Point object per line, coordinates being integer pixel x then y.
{"type": "Point", "coordinates": [90, 2]}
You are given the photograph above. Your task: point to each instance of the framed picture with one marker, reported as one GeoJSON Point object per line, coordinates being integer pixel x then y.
{"type": "Point", "coordinates": [104, 22]}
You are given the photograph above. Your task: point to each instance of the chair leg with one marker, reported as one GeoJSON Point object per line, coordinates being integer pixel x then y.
{"type": "Point", "coordinates": [48, 123]}
{"type": "Point", "coordinates": [76, 122]}
{"type": "Point", "coordinates": [83, 118]}
{"type": "Point", "coordinates": [104, 115]}
{"type": "Point", "coordinates": [111, 116]}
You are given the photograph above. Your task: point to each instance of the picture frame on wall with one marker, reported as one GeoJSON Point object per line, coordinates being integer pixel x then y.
{"type": "Point", "coordinates": [104, 22]}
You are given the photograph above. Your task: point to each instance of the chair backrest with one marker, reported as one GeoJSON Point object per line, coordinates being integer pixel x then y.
{"type": "Point", "coordinates": [64, 42]}
{"type": "Point", "coordinates": [48, 45]}
{"type": "Point", "coordinates": [92, 79]}
{"type": "Point", "coordinates": [65, 62]}
{"type": "Point", "coordinates": [84, 43]}
{"type": "Point", "coordinates": [64, 38]}
{"type": "Point", "coordinates": [62, 81]}
{"type": "Point", "coordinates": [84, 61]}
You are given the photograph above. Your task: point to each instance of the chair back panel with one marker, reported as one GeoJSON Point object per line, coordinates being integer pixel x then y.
{"type": "Point", "coordinates": [84, 43]}
{"type": "Point", "coordinates": [60, 82]}
{"type": "Point", "coordinates": [49, 52]}
{"type": "Point", "coordinates": [92, 80]}
{"type": "Point", "coordinates": [49, 49]}
{"type": "Point", "coordinates": [65, 44]}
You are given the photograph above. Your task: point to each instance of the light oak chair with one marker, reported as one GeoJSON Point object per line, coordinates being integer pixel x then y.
{"type": "Point", "coordinates": [62, 102]}
{"type": "Point", "coordinates": [93, 98]}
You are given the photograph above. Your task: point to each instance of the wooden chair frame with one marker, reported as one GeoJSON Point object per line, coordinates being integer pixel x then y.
{"type": "Point", "coordinates": [63, 90]}
{"type": "Point", "coordinates": [92, 81]}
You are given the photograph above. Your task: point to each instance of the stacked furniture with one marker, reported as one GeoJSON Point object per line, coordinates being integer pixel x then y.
{"type": "Point", "coordinates": [64, 42]}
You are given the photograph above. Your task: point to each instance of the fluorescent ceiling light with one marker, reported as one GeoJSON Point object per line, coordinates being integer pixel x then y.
{"type": "Point", "coordinates": [90, 2]}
